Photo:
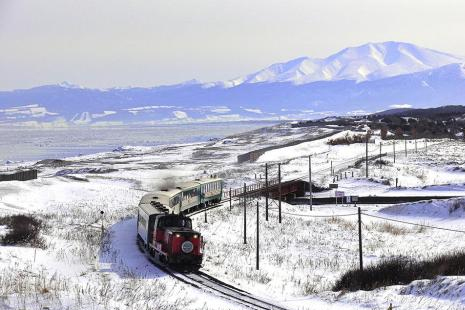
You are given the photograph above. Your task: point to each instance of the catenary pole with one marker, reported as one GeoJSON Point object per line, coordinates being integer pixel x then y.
{"type": "Point", "coordinates": [245, 215]}
{"type": "Point", "coordinates": [366, 156]}
{"type": "Point", "coordinates": [310, 181]}
{"type": "Point", "coordinates": [204, 206]}
{"type": "Point", "coordinates": [230, 199]}
{"type": "Point", "coordinates": [266, 191]}
{"type": "Point", "coordinates": [279, 191]}
{"type": "Point", "coordinates": [380, 154]}
{"type": "Point", "coordinates": [360, 251]}
{"type": "Point", "coordinates": [405, 139]}
{"type": "Point", "coordinates": [394, 148]}
{"type": "Point", "coordinates": [258, 242]}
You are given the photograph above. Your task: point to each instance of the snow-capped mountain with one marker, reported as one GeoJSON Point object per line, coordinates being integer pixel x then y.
{"type": "Point", "coordinates": [367, 62]}
{"type": "Point", "coordinates": [364, 79]}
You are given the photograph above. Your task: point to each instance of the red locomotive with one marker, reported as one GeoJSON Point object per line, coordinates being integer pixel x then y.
{"type": "Point", "coordinates": [168, 238]}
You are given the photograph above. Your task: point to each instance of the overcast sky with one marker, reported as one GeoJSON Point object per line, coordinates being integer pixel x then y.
{"type": "Point", "coordinates": [106, 43]}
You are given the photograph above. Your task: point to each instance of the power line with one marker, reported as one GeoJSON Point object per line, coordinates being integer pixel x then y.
{"type": "Point", "coordinates": [310, 215]}
{"type": "Point", "coordinates": [415, 224]}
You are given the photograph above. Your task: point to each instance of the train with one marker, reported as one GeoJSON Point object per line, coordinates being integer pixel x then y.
{"type": "Point", "coordinates": [163, 229]}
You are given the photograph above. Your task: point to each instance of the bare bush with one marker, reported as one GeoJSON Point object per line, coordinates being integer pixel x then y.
{"type": "Point", "coordinates": [457, 204]}
{"type": "Point", "coordinates": [23, 230]}
{"type": "Point", "coordinates": [401, 270]}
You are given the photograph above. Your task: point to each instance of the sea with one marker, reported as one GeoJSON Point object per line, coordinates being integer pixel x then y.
{"type": "Point", "coordinates": [25, 145]}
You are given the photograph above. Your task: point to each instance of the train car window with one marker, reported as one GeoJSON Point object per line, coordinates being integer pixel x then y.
{"type": "Point", "coordinates": [175, 200]}
{"type": "Point", "coordinates": [142, 221]}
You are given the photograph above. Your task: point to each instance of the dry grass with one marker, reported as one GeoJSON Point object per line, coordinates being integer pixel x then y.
{"type": "Point", "coordinates": [389, 228]}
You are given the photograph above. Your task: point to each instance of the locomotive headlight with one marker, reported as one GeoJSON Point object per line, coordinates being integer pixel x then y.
{"type": "Point", "coordinates": [195, 236]}
{"type": "Point", "coordinates": [177, 235]}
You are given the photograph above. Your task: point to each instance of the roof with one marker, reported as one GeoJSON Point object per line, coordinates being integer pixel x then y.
{"type": "Point", "coordinates": [209, 180]}
{"type": "Point", "coordinates": [190, 184]}
{"type": "Point", "coordinates": [149, 209]}
{"type": "Point", "coordinates": [170, 192]}
{"type": "Point", "coordinates": [160, 195]}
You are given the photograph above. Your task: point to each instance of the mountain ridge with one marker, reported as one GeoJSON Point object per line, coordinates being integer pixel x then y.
{"type": "Point", "coordinates": [279, 100]}
{"type": "Point", "coordinates": [369, 61]}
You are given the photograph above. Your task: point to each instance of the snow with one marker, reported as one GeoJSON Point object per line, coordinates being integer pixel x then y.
{"type": "Point", "coordinates": [300, 259]}
{"type": "Point", "coordinates": [371, 61]}
{"type": "Point", "coordinates": [448, 209]}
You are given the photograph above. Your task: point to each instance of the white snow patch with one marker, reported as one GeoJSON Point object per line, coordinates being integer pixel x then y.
{"type": "Point", "coordinates": [258, 111]}
{"type": "Point", "coordinates": [105, 113]}
{"type": "Point", "coordinates": [400, 106]}
{"type": "Point", "coordinates": [180, 115]}
{"type": "Point", "coordinates": [221, 110]}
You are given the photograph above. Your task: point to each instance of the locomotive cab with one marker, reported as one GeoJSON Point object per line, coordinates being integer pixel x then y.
{"type": "Point", "coordinates": [175, 241]}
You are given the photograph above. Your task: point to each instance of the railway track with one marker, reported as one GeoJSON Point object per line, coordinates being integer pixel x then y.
{"type": "Point", "coordinates": [214, 286]}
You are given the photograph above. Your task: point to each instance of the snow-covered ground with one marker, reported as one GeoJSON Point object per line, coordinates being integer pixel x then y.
{"type": "Point", "coordinates": [300, 259]}
{"type": "Point", "coordinates": [305, 254]}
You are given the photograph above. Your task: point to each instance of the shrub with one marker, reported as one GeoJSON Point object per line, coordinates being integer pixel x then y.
{"type": "Point", "coordinates": [401, 270]}
{"type": "Point", "coordinates": [457, 205]}
{"type": "Point", "coordinates": [22, 230]}
{"type": "Point", "coordinates": [381, 162]}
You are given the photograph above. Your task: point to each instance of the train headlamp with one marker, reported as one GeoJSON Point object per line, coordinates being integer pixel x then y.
{"type": "Point", "coordinates": [195, 236]}
{"type": "Point", "coordinates": [177, 235]}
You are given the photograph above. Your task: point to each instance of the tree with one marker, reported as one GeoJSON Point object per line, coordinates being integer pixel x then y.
{"type": "Point", "coordinates": [384, 132]}
{"type": "Point", "coordinates": [368, 135]}
{"type": "Point", "coordinates": [399, 132]}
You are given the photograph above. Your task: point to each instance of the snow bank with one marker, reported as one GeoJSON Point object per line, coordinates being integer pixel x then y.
{"type": "Point", "coordinates": [451, 208]}
{"type": "Point", "coordinates": [450, 288]}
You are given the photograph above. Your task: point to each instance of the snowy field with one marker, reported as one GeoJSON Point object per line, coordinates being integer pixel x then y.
{"type": "Point", "coordinates": [300, 259]}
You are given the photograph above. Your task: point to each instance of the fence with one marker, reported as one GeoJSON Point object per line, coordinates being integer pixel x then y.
{"type": "Point", "coordinates": [19, 175]}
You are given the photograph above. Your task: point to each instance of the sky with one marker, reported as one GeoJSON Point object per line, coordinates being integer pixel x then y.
{"type": "Point", "coordinates": [102, 43]}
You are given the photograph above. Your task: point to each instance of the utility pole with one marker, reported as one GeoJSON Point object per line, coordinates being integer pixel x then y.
{"type": "Point", "coordinates": [405, 139]}
{"type": "Point", "coordinates": [101, 218]}
{"type": "Point", "coordinates": [230, 199]}
{"type": "Point", "coordinates": [360, 238]}
{"type": "Point", "coordinates": [366, 156]}
{"type": "Point", "coordinates": [394, 147]}
{"type": "Point", "coordinates": [204, 205]}
{"type": "Point", "coordinates": [245, 215]}
{"type": "Point", "coordinates": [279, 187]}
{"type": "Point", "coordinates": [380, 154]}
{"type": "Point", "coordinates": [310, 180]}
{"type": "Point", "coordinates": [258, 242]}
{"type": "Point", "coordinates": [416, 149]}
{"type": "Point", "coordinates": [266, 192]}
{"type": "Point", "coordinates": [331, 167]}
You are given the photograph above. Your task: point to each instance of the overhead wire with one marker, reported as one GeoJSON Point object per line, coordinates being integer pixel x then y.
{"type": "Point", "coordinates": [415, 224]}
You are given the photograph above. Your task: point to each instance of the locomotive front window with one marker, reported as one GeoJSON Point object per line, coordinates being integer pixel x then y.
{"type": "Point", "coordinates": [175, 221]}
